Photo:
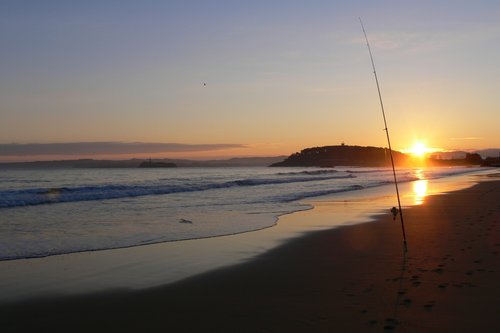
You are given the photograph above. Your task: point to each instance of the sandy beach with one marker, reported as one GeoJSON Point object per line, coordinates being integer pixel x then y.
{"type": "Point", "coordinates": [234, 166]}
{"type": "Point", "coordinates": [349, 279]}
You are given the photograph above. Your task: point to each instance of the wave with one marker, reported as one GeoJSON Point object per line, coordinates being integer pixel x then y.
{"type": "Point", "coordinates": [447, 172]}
{"type": "Point", "coordinates": [41, 196]}
{"type": "Point", "coordinates": [369, 171]}
{"type": "Point", "coordinates": [312, 194]}
{"type": "Point", "coordinates": [308, 172]}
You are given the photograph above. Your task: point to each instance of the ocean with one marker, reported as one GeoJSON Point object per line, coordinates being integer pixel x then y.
{"type": "Point", "coordinates": [46, 212]}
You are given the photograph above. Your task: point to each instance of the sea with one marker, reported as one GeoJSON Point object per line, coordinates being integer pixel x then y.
{"type": "Point", "coordinates": [46, 212]}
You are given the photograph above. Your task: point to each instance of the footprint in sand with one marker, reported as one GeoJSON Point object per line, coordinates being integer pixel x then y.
{"type": "Point", "coordinates": [406, 302]}
{"type": "Point", "coordinates": [402, 291]}
{"type": "Point", "coordinates": [429, 305]}
{"type": "Point", "coordinates": [390, 324]}
{"type": "Point", "coordinates": [415, 280]}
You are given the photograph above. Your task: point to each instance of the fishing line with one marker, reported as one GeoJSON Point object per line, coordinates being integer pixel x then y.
{"type": "Point", "coordinates": [393, 210]}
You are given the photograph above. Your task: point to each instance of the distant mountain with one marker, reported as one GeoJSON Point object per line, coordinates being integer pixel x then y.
{"type": "Point", "coordinates": [135, 163]}
{"type": "Point", "coordinates": [331, 156]}
{"type": "Point", "coordinates": [448, 155]}
{"type": "Point", "coordinates": [491, 152]}
{"type": "Point", "coordinates": [458, 154]}
{"type": "Point", "coordinates": [151, 164]}
{"type": "Point", "coordinates": [81, 163]}
{"type": "Point", "coordinates": [327, 156]}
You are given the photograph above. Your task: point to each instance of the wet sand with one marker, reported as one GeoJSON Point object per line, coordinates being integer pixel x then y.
{"type": "Point", "coordinates": [349, 279]}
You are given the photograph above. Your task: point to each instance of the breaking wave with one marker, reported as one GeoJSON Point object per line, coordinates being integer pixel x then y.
{"type": "Point", "coordinates": [40, 196]}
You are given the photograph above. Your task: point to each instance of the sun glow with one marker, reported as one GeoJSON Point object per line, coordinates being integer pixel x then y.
{"type": "Point", "coordinates": [420, 150]}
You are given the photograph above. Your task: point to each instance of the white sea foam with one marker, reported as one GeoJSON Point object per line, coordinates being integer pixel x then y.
{"type": "Point", "coordinates": [40, 196]}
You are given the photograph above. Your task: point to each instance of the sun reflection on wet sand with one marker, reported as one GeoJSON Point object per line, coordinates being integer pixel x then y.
{"type": "Point", "coordinates": [419, 187]}
{"type": "Point", "coordinates": [420, 191]}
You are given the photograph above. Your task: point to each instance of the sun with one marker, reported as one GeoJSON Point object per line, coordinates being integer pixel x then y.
{"type": "Point", "coordinates": [419, 149]}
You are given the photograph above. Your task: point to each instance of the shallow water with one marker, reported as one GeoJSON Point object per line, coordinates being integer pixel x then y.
{"type": "Point", "coordinates": [50, 212]}
{"type": "Point", "coordinates": [162, 263]}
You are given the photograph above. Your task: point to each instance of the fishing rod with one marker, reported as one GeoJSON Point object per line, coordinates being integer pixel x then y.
{"type": "Point", "coordinates": [394, 210]}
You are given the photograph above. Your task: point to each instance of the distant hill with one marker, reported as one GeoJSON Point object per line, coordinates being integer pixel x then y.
{"type": "Point", "coordinates": [448, 155]}
{"type": "Point", "coordinates": [135, 163]}
{"type": "Point", "coordinates": [152, 164]}
{"type": "Point", "coordinates": [331, 156]}
{"type": "Point", "coordinates": [491, 152]}
{"type": "Point", "coordinates": [458, 154]}
{"type": "Point", "coordinates": [343, 155]}
{"type": "Point", "coordinates": [237, 162]}
{"type": "Point", "coordinates": [327, 156]}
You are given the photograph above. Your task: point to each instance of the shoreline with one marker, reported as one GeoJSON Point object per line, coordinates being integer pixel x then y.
{"type": "Point", "coordinates": [152, 265]}
{"type": "Point", "coordinates": [257, 220]}
{"type": "Point", "coordinates": [448, 283]}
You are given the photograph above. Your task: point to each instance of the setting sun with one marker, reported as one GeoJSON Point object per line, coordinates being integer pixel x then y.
{"type": "Point", "coordinates": [419, 149]}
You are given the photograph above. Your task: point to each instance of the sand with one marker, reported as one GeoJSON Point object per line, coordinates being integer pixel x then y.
{"type": "Point", "coordinates": [348, 279]}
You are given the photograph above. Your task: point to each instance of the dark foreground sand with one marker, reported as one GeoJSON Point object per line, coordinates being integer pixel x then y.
{"type": "Point", "coordinates": [351, 279]}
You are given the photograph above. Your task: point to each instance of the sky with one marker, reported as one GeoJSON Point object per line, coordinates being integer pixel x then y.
{"type": "Point", "coordinates": [245, 78]}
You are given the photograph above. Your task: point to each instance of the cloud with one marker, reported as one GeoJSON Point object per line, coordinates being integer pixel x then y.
{"type": "Point", "coordinates": [106, 148]}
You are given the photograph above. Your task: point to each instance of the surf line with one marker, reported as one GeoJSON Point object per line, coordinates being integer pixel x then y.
{"type": "Point", "coordinates": [395, 211]}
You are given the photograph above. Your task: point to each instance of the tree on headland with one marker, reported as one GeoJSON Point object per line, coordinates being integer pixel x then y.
{"type": "Point", "coordinates": [473, 159]}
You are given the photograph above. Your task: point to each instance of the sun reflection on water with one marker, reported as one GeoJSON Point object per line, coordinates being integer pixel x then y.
{"type": "Point", "coordinates": [420, 190]}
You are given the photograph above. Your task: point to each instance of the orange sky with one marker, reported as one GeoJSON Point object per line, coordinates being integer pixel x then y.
{"type": "Point", "coordinates": [279, 76]}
